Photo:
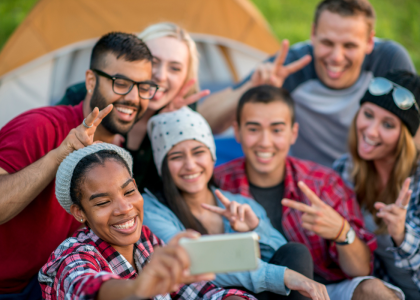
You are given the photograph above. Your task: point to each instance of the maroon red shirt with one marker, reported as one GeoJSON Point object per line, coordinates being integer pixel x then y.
{"type": "Point", "coordinates": [327, 185]}
{"type": "Point", "coordinates": [27, 240]}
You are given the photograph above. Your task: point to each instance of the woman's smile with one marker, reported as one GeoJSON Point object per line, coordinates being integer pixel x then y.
{"type": "Point", "coordinates": [126, 227]}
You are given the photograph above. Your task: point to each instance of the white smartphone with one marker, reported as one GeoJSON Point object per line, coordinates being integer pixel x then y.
{"type": "Point", "coordinates": [223, 253]}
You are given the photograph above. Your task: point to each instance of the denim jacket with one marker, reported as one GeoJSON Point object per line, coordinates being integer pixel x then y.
{"type": "Point", "coordinates": [268, 277]}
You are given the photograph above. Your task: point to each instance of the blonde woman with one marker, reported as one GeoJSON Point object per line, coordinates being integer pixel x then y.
{"type": "Point", "coordinates": [175, 70]}
{"type": "Point", "coordinates": [383, 169]}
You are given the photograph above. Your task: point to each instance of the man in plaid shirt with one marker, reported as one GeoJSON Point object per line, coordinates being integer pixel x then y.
{"type": "Point", "coordinates": [82, 263]}
{"type": "Point", "coordinates": [320, 210]}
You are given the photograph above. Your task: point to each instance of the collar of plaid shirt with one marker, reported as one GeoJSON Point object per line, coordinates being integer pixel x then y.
{"type": "Point", "coordinates": [327, 185]}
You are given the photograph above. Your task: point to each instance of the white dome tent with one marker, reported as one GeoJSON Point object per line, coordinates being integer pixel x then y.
{"type": "Point", "coordinates": [50, 50]}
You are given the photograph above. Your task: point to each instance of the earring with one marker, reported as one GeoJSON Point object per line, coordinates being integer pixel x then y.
{"type": "Point", "coordinates": [90, 91]}
{"type": "Point", "coordinates": [81, 220]}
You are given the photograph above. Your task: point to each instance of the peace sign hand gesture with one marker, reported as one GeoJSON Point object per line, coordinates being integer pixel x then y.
{"type": "Point", "coordinates": [394, 214]}
{"type": "Point", "coordinates": [241, 216]}
{"type": "Point", "coordinates": [320, 218]}
{"type": "Point", "coordinates": [82, 135]}
{"type": "Point", "coordinates": [179, 101]}
{"type": "Point", "coordinates": [276, 73]}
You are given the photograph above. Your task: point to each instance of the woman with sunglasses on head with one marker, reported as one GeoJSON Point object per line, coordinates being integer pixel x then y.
{"type": "Point", "coordinates": [115, 256]}
{"type": "Point", "coordinates": [175, 70]}
{"type": "Point", "coordinates": [383, 168]}
{"type": "Point", "coordinates": [184, 154]}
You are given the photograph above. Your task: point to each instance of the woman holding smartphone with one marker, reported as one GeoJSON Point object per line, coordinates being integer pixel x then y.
{"type": "Point", "coordinates": [115, 256]}
{"type": "Point", "coordinates": [383, 168]}
{"type": "Point", "coordinates": [184, 154]}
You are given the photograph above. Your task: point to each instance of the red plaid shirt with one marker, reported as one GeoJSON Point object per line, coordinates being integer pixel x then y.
{"type": "Point", "coordinates": [81, 264]}
{"type": "Point", "coordinates": [327, 185]}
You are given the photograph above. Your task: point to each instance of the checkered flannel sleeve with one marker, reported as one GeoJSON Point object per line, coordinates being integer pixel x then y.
{"type": "Point", "coordinates": [198, 290]}
{"type": "Point", "coordinates": [78, 277]}
{"type": "Point", "coordinates": [208, 291]}
{"type": "Point", "coordinates": [407, 255]}
{"type": "Point", "coordinates": [342, 199]}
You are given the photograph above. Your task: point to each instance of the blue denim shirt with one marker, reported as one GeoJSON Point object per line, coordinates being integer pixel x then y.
{"type": "Point", "coordinates": [268, 277]}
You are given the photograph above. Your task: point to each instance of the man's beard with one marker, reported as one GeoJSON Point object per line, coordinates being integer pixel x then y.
{"type": "Point", "coordinates": [110, 122]}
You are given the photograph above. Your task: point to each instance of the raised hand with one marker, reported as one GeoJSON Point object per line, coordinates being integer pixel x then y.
{"type": "Point", "coordinates": [82, 136]}
{"type": "Point", "coordinates": [276, 73]}
{"type": "Point", "coordinates": [167, 270]}
{"type": "Point", "coordinates": [320, 218]}
{"type": "Point", "coordinates": [241, 216]}
{"type": "Point", "coordinates": [307, 287]}
{"type": "Point", "coordinates": [394, 214]}
{"type": "Point", "coordinates": [180, 100]}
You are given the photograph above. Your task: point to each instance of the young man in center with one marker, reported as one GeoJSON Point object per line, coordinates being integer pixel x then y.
{"type": "Point", "coordinates": [320, 211]}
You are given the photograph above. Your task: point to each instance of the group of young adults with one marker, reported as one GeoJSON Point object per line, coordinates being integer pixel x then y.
{"type": "Point", "coordinates": [102, 187]}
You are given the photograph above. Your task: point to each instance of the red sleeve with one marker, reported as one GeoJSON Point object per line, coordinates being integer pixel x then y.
{"type": "Point", "coordinates": [343, 200]}
{"type": "Point", "coordinates": [26, 139]}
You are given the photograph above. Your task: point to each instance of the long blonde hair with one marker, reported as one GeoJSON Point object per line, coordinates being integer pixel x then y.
{"type": "Point", "coordinates": [367, 184]}
{"type": "Point", "coordinates": [166, 29]}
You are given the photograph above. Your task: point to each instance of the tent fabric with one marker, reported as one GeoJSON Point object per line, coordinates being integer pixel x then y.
{"type": "Point", "coordinates": [51, 48]}
{"type": "Point", "coordinates": [53, 24]}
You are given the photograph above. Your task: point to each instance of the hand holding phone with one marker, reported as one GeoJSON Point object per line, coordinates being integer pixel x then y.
{"type": "Point", "coordinates": [241, 216]}
{"type": "Point", "coordinates": [222, 253]}
{"type": "Point", "coordinates": [168, 269]}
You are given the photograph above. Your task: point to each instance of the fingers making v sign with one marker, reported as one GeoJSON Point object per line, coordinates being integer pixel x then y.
{"type": "Point", "coordinates": [318, 217]}
{"type": "Point", "coordinates": [180, 100]}
{"type": "Point", "coordinates": [275, 73]}
{"type": "Point", "coordinates": [394, 214]}
{"type": "Point", "coordinates": [82, 135]}
{"type": "Point", "coordinates": [241, 216]}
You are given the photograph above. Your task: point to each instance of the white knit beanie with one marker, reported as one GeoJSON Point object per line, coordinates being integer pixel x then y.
{"type": "Point", "coordinates": [168, 129]}
{"type": "Point", "coordinates": [67, 166]}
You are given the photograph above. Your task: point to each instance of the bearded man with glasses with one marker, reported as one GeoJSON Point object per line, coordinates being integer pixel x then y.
{"type": "Point", "coordinates": [34, 144]}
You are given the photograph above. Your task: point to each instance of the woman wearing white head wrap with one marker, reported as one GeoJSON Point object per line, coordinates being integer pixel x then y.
{"type": "Point", "coordinates": [95, 185]}
{"type": "Point", "coordinates": [184, 154]}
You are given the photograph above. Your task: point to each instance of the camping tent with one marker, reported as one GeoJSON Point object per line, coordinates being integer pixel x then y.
{"type": "Point", "coordinates": [50, 50]}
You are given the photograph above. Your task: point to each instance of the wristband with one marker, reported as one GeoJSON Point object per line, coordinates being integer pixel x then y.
{"type": "Point", "coordinates": [341, 230]}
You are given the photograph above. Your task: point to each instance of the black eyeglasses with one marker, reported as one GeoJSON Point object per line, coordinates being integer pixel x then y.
{"type": "Point", "coordinates": [403, 98]}
{"type": "Point", "coordinates": [122, 86]}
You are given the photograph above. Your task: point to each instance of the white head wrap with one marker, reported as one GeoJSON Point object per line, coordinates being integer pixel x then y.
{"type": "Point", "coordinates": [67, 166]}
{"type": "Point", "coordinates": [168, 129]}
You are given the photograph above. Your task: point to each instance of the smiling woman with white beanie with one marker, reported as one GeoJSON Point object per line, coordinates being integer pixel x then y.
{"type": "Point", "coordinates": [111, 258]}
{"type": "Point", "coordinates": [184, 154]}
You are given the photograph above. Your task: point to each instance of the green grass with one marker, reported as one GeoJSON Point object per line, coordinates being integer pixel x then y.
{"type": "Point", "coordinates": [396, 19]}
{"type": "Point", "coordinates": [12, 13]}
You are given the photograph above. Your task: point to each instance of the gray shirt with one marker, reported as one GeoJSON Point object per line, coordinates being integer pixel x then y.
{"type": "Point", "coordinates": [324, 115]}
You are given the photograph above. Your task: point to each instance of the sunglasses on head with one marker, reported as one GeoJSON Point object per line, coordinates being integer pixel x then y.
{"type": "Point", "coordinates": [403, 98]}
